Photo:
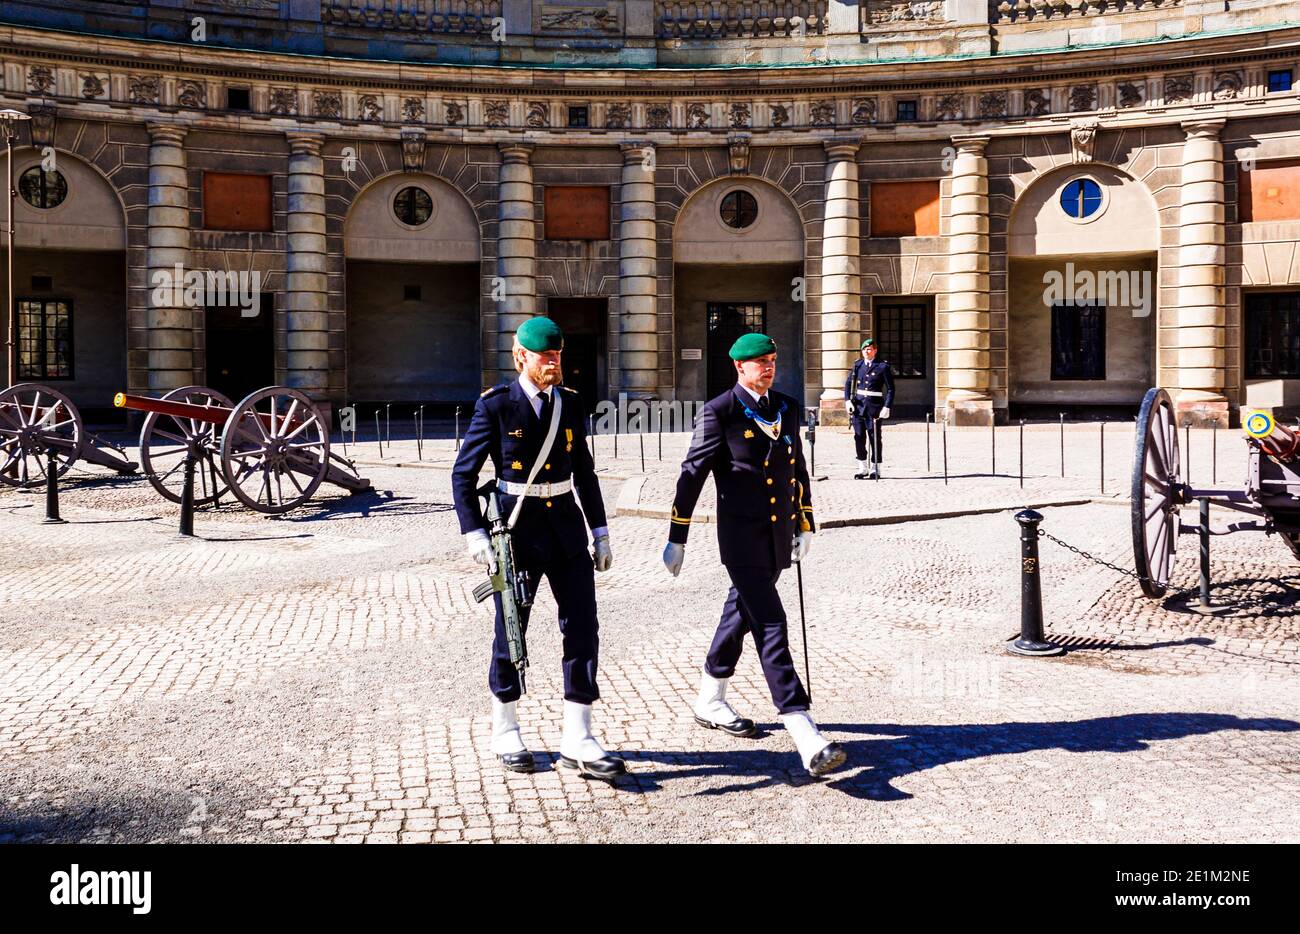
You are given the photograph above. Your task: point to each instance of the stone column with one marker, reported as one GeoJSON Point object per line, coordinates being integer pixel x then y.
{"type": "Point", "coordinates": [306, 320]}
{"type": "Point", "coordinates": [964, 327]}
{"type": "Point", "coordinates": [171, 324]}
{"type": "Point", "coordinates": [1202, 315]}
{"type": "Point", "coordinates": [638, 342]}
{"type": "Point", "coordinates": [516, 291]}
{"type": "Point", "coordinates": [841, 284]}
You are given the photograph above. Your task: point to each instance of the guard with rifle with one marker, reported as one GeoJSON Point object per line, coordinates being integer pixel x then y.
{"type": "Point", "coordinates": [868, 394]}
{"type": "Point", "coordinates": [748, 439]}
{"type": "Point", "coordinates": [534, 431]}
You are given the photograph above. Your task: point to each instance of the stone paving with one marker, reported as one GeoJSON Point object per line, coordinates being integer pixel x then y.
{"type": "Point", "coordinates": [321, 677]}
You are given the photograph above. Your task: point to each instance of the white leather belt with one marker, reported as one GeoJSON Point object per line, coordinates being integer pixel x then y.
{"type": "Point", "coordinates": [869, 392]}
{"type": "Point", "coordinates": [537, 489]}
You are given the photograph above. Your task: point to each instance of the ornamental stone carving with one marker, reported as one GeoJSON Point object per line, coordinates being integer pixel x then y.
{"type": "Point", "coordinates": [143, 89]}
{"type": "Point", "coordinates": [40, 79]}
{"type": "Point", "coordinates": [993, 104]}
{"type": "Point", "coordinates": [538, 116]}
{"type": "Point", "coordinates": [697, 116]}
{"type": "Point", "coordinates": [1227, 86]}
{"type": "Point", "coordinates": [738, 153]}
{"type": "Point", "coordinates": [823, 114]}
{"type": "Point", "coordinates": [372, 107]}
{"type": "Point", "coordinates": [283, 102]}
{"type": "Point", "coordinates": [739, 116]}
{"type": "Point", "coordinates": [414, 143]}
{"type": "Point", "coordinates": [327, 104]}
{"type": "Point", "coordinates": [413, 110]}
{"type": "Point", "coordinates": [1037, 103]}
{"type": "Point", "coordinates": [1130, 95]}
{"type": "Point", "coordinates": [1178, 89]}
{"type": "Point", "coordinates": [618, 116]}
{"type": "Point", "coordinates": [864, 111]}
{"type": "Point", "coordinates": [193, 94]}
{"type": "Point", "coordinates": [496, 113]}
{"type": "Point", "coordinates": [948, 107]}
{"type": "Point", "coordinates": [455, 113]}
{"type": "Point", "coordinates": [659, 117]}
{"type": "Point", "coordinates": [92, 86]}
{"type": "Point", "coordinates": [780, 115]}
{"type": "Point", "coordinates": [1083, 97]}
{"type": "Point", "coordinates": [1083, 138]}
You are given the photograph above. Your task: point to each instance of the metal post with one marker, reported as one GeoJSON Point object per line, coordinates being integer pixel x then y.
{"type": "Point", "coordinates": [388, 424]}
{"type": "Point", "coordinates": [1187, 453]}
{"type": "Point", "coordinates": [591, 433]}
{"type": "Point", "coordinates": [1204, 534]}
{"type": "Point", "coordinates": [419, 433]}
{"type": "Point", "coordinates": [11, 306]}
{"type": "Point", "coordinates": [616, 442]}
{"type": "Point", "coordinates": [378, 435]}
{"type": "Point", "coordinates": [457, 428]}
{"type": "Point", "coordinates": [927, 440]}
{"type": "Point", "coordinates": [945, 450]}
{"type": "Point", "coordinates": [640, 436]}
{"type": "Point", "coordinates": [660, 418]}
{"type": "Point", "coordinates": [52, 487]}
{"type": "Point", "coordinates": [1063, 445]}
{"type": "Point", "coordinates": [1214, 454]}
{"type": "Point", "coordinates": [187, 497]}
{"type": "Point", "coordinates": [993, 446]}
{"type": "Point", "coordinates": [875, 449]}
{"type": "Point", "coordinates": [1022, 454]}
{"type": "Point", "coordinates": [1101, 440]}
{"type": "Point", "coordinates": [1031, 641]}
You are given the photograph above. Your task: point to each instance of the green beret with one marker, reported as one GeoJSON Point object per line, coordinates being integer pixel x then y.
{"type": "Point", "coordinates": [540, 335]}
{"type": "Point", "coordinates": [869, 342]}
{"type": "Point", "coordinates": [749, 346]}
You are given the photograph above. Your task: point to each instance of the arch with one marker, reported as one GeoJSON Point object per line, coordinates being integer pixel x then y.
{"type": "Point", "coordinates": [91, 217]}
{"type": "Point", "coordinates": [1127, 221]}
{"type": "Point", "coordinates": [373, 232]}
{"type": "Point", "coordinates": [776, 236]}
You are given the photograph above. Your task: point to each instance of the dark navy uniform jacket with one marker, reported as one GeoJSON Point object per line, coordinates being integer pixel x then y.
{"type": "Point", "coordinates": [876, 376]}
{"type": "Point", "coordinates": [763, 492]}
{"type": "Point", "coordinates": [505, 429]}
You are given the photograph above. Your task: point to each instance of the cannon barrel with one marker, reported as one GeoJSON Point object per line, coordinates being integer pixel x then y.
{"type": "Point", "coordinates": [212, 414]}
{"type": "Point", "coordinates": [1277, 441]}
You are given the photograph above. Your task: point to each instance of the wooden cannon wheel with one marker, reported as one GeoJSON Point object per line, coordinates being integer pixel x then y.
{"type": "Point", "coordinates": [1157, 493]}
{"type": "Point", "coordinates": [165, 440]}
{"type": "Point", "coordinates": [33, 419]}
{"type": "Point", "coordinates": [275, 450]}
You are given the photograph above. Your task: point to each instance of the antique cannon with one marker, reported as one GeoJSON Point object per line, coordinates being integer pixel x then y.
{"type": "Point", "coordinates": [271, 451]}
{"type": "Point", "coordinates": [35, 420]}
{"type": "Point", "coordinates": [1159, 492]}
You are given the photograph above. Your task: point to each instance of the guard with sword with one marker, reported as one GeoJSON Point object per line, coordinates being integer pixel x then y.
{"type": "Point", "coordinates": [748, 439]}
{"type": "Point", "coordinates": [868, 394]}
{"type": "Point", "coordinates": [533, 430]}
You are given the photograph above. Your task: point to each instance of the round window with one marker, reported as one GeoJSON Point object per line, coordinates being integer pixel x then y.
{"type": "Point", "coordinates": [42, 189]}
{"type": "Point", "coordinates": [1081, 198]}
{"type": "Point", "coordinates": [739, 209]}
{"type": "Point", "coordinates": [413, 206]}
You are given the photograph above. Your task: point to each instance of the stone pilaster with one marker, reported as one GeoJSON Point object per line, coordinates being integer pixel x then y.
{"type": "Point", "coordinates": [1202, 313]}
{"type": "Point", "coordinates": [171, 324]}
{"type": "Point", "coordinates": [841, 282]}
{"type": "Point", "coordinates": [637, 340]}
{"type": "Point", "coordinates": [306, 320]}
{"type": "Point", "coordinates": [964, 328]}
{"type": "Point", "coordinates": [516, 250]}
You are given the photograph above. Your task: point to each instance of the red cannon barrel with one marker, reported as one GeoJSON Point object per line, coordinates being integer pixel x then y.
{"type": "Point", "coordinates": [1277, 441]}
{"type": "Point", "coordinates": [212, 414]}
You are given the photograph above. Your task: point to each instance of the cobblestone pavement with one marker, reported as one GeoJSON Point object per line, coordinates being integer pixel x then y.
{"type": "Point", "coordinates": [322, 677]}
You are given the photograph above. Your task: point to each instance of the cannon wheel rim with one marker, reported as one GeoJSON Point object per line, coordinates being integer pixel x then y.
{"type": "Point", "coordinates": [245, 439]}
{"type": "Point", "coordinates": [211, 478]}
{"type": "Point", "coordinates": [16, 405]}
{"type": "Point", "coordinates": [1156, 492]}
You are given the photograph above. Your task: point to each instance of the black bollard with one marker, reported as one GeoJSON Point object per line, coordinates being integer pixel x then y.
{"type": "Point", "coordinates": [1022, 454]}
{"type": "Point", "coordinates": [993, 447]}
{"type": "Point", "coordinates": [1101, 441]}
{"type": "Point", "coordinates": [641, 439]}
{"type": "Point", "coordinates": [661, 434]}
{"type": "Point", "coordinates": [1187, 453]}
{"type": "Point", "coordinates": [419, 434]}
{"type": "Point", "coordinates": [379, 437]}
{"type": "Point", "coordinates": [616, 442]}
{"type": "Point", "coordinates": [945, 450]}
{"type": "Point", "coordinates": [187, 497]}
{"type": "Point", "coordinates": [591, 433]}
{"type": "Point", "coordinates": [1214, 454]}
{"type": "Point", "coordinates": [875, 449]}
{"type": "Point", "coordinates": [927, 441]}
{"type": "Point", "coordinates": [1031, 641]}
{"type": "Point", "coordinates": [1203, 532]}
{"type": "Point", "coordinates": [1062, 445]}
{"type": "Point", "coordinates": [457, 428]}
{"type": "Point", "coordinates": [52, 488]}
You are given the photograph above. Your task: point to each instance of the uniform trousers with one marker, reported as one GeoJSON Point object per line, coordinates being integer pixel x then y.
{"type": "Point", "coordinates": [867, 437]}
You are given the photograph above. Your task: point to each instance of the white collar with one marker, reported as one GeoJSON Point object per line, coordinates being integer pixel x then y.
{"type": "Point", "coordinates": [530, 388]}
{"type": "Point", "coordinates": [753, 395]}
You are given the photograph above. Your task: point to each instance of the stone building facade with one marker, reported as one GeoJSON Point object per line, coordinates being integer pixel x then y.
{"type": "Point", "coordinates": [411, 179]}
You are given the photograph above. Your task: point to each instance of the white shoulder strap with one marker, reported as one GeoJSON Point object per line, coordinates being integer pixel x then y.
{"type": "Point", "coordinates": [552, 430]}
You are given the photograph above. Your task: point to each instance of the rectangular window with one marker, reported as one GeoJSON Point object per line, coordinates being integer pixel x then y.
{"type": "Point", "coordinates": [1280, 81]}
{"type": "Point", "coordinates": [1078, 341]}
{"type": "Point", "coordinates": [238, 99]}
{"type": "Point", "coordinates": [1273, 335]}
{"type": "Point", "coordinates": [236, 202]}
{"type": "Point", "coordinates": [905, 209]}
{"type": "Point", "coordinates": [900, 335]}
{"type": "Point", "coordinates": [576, 212]}
{"type": "Point", "coordinates": [577, 116]}
{"type": "Point", "coordinates": [906, 111]}
{"type": "Point", "coordinates": [1269, 192]}
{"type": "Point", "coordinates": [44, 339]}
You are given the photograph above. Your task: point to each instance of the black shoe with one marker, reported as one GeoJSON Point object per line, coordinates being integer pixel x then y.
{"type": "Point", "coordinates": [828, 760]}
{"type": "Point", "coordinates": [738, 727]}
{"type": "Point", "coordinates": [859, 476]}
{"type": "Point", "coordinates": [606, 769]}
{"type": "Point", "coordinates": [518, 761]}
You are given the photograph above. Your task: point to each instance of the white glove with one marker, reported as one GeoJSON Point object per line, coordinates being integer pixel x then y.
{"type": "Point", "coordinates": [801, 546]}
{"type": "Point", "coordinates": [884, 413]}
{"type": "Point", "coordinates": [479, 547]}
{"type": "Point", "coordinates": [674, 555]}
{"type": "Point", "coordinates": [848, 407]}
{"type": "Point", "coordinates": [601, 555]}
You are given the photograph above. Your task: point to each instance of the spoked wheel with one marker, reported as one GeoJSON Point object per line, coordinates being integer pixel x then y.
{"type": "Point", "coordinates": [1157, 494]}
{"type": "Point", "coordinates": [166, 439]}
{"type": "Point", "coordinates": [34, 418]}
{"type": "Point", "coordinates": [275, 450]}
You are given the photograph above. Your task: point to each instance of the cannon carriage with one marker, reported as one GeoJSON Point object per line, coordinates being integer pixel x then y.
{"type": "Point", "coordinates": [38, 423]}
{"type": "Point", "coordinates": [1270, 494]}
{"type": "Point", "coordinates": [271, 451]}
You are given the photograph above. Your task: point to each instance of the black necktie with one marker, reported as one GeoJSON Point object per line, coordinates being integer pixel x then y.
{"type": "Point", "coordinates": [765, 408]}
{"type": "Point", "coordinates": [545, 415]}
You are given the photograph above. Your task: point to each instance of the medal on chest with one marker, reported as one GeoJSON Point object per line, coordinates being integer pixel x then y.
{"type": "Point", "coordinates": [770, 428]}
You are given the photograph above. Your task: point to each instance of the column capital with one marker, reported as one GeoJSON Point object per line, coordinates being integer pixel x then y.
{"type": "Point", "coordinates": [842, 148]}
{"type": "Point", "coordinates": [516, 151]}
{"type": "Point", "coordinates": [971, 145]}
{"type": "Point", "coordinates": [1203, 129]}
{"type": "Point", "coordinates": [634, 150]}
{"type": "Point", "coordinates": [305, 144]}
{"type": "Point", "coordinates": [166, 134]}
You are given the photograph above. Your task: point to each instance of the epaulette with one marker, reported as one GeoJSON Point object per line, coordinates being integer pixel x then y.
{"type": "Point", "coordinates": [493, 391]}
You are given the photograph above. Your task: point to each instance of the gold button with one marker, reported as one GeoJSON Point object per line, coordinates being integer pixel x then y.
{"type": "Point", "coordinates": [769, 481]}
{"type": "Point", "coordinates": [792, 481]}
{"type": "Point", "coordinates": [791, 515]}
{"type": "Point", "coordinates": [773, 499]}
{"type": "Point", "coordinates": [792, 460]}
{"type": "Point", "coordinates": [774, 518]}
{"type": "Point", "coordinates": [764, 463]}
{"type": "Point", "coordinates": [548, 466]}
{"type": "Point", "coordinates": [548, 504]}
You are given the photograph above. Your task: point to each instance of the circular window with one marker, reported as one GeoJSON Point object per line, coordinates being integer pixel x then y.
{"type": "Point", "coordinates": [1081, 198]}
{"type": "Point", "coordinates": [42, 189]}
{"type": "Point", "coordinates": [413, 206]}
{"type": "Point", "coordinates": [739, 209]}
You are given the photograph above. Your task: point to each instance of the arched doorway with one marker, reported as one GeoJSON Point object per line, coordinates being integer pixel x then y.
{"type": "Point", "coordinates": [738, 256]}
{"type": "Point", "coordinates": [412, 248]}
{"type": "Point", "coordinates": [69, 278]}
{"type": "Point", "coordinates": [1083, 291]}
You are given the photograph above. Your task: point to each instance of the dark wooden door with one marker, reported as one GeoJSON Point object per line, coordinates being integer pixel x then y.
{"type": "Point", "coordinates": [240, 351]}
{"type": "Point", "coordinates": [727, 322]}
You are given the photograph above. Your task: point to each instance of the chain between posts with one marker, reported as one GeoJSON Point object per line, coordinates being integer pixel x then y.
{"type": "Point", "coordinates": [1043, 533]}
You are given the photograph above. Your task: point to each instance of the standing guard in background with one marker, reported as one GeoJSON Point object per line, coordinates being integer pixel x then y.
{"type": "Point", "coordinates": [868, 394]}
{"type": "Point", "coordinates": [511, 425]}
{"type": "Point", "coordinates": [748, 439]}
